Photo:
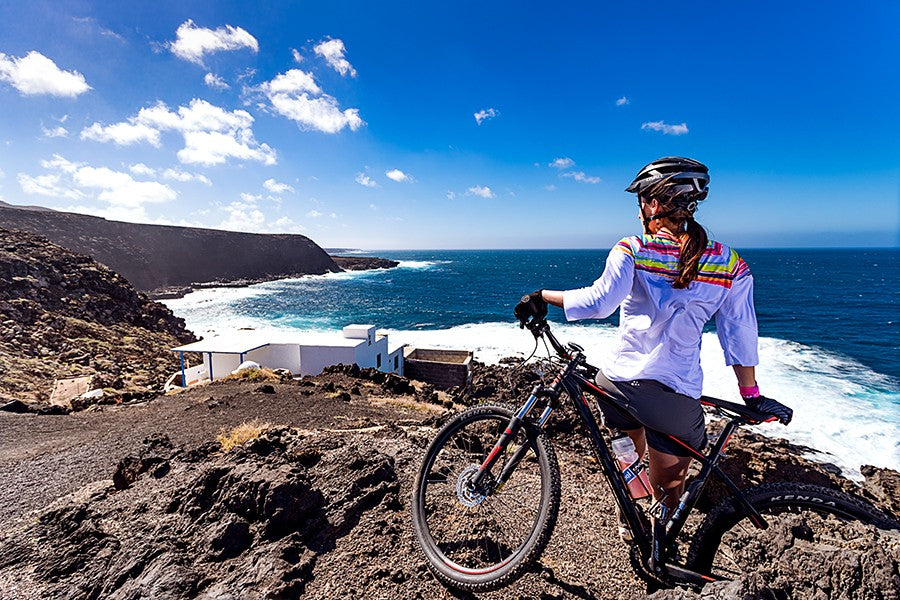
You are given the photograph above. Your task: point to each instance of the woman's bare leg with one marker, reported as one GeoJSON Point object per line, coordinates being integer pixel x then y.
{"type": "Point", "coordinates": [640, 440]}
{"type": "Point", "coordinates": [668, 471]}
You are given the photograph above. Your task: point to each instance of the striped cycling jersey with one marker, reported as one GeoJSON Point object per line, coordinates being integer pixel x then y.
{"type": "Point", "coordinates": [660, 327]}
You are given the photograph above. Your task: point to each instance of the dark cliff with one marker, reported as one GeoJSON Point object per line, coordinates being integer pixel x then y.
{"type": "Point", "coordinates": [157, 256]}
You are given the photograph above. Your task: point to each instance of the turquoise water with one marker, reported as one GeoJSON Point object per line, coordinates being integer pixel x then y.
{"type": "Point", "coordinates": [829, 325]}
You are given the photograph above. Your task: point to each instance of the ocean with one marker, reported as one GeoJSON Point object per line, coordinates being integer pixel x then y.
{"type": "Point", "coordinates": [829, 324]}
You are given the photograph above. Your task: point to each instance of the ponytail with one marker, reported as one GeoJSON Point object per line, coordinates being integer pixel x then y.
{"type": "Point", "coordinates": [693, 243]}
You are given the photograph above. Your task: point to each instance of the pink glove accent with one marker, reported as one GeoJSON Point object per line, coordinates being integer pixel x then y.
{"type": "Point", "coordinates": [749, 392]}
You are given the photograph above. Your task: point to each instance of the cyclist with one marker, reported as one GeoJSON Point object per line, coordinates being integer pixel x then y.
{"type": "Point", "coordinates": [669, 282]}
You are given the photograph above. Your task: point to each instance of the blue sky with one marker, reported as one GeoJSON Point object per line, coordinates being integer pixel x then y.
{"type": "Point", "coordinates": [454, 125]}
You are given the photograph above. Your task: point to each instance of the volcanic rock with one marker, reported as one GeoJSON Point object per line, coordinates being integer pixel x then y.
{"type": "Point", "coordinates": [64, 315]}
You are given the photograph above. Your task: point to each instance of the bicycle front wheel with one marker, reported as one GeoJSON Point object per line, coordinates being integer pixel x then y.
{"type": "Point", "coordinates": [802, 519]}
{"type": "Point", "coordinates": [479, 540]}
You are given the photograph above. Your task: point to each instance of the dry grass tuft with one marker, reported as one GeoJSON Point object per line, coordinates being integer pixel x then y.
{"type": "Point", "coordinates": [253, 375]}
{"type": "Point", "coordinates": [246, 431]}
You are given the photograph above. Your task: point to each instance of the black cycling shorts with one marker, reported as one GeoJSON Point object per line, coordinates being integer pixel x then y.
{"type": "Point", "coordinates": [662, 411]}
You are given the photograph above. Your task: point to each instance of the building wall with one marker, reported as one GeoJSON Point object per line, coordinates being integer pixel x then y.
{"type": "Point", "coordinates": [396, 357]}
{"type": "Point", "coordinates": [441, 375]}
{"type": "Point", "coordinates": [315, 358]}
{"type": "Point", "coordinates": [367, 356]}
{"type": "Point", "coordinates": [195, 374]}
{"type": "Point", "coordinates": [222, 364]}
{"type": "Point", "coordinates": [277, 356]}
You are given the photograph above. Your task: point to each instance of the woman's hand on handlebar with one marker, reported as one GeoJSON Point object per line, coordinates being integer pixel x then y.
{"type": "Point", "coordinates": [531, 307]}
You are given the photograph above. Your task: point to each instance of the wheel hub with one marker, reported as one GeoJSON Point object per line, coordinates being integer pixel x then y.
{"type": "Point", "coordinates": [469, 495]}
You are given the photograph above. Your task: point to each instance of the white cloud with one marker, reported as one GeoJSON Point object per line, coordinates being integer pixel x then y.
{"type": "Point", "coordinates": [398, 175]}
{"type": "Point", "coordinates": [35, 74]}
{"type": "Point", "coordinates": [121, 134]}
{"type": "Point", "coordinates": [483, 115]}
{"type": "Point", "coordinates": [58, 163]}
{"type": "Point", "coordinates": [665, 128]}
{"type": "Point", "coordinates": [215, 148]}
{"type": "Point", "coordinates": [363, 179]}
{"type": "Point", "coordinates": [581, 177]}
{"type": "Point", "coordinates": [184, 176]}
{"type": "Point", "coordinates": [211, 134]}
{"type": "Point", "coordinates": [451, 195]}
{"type": "Point", "coordinates": [142, 169]}
{"type": "Point", "coordinates": [215, 82]}
{"type": "Point", "coordinates": [56, 132]}
{"type": "Point", "coordinates": [78, 181]}
{"type": "Point", "coordinates": [481, 191]}
{"type": "Point", "coordinates": [47, 185]}
{"type": "Point", "coordinates": [562, 163]}
{"type": "Point", "coordinates": [277, 187]}
{"type": "Point", "coordinates": [313, 214]}
{"type": "Point", "coordinates": [293, 81]}
{"type": "Point", "coordinates": [622, 101]}
{"type": "Point", "coordinates": [373, 207]}
{"type": "Point", "coordinates": [296, 95]}
{"type": "Point", "coordinates": [120, 189]}
{"type": "Point", "coordinates": [192, 42]}
{"type": "Point", "coordinates": [550, 188]}
{"type": "Point", "coordinates": [246, 215]}
{"type": "Point", "coordinates": [298, 58]}
{"type": "Point", "coordinates": [90, 25]}
{"type": "Point", "coordinates": [333, 53]}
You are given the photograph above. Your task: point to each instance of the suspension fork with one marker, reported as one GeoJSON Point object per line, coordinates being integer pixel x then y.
{"type": "Point", "coordinates": [515, 424]}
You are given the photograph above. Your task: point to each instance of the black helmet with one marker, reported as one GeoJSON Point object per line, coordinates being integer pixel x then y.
{"type": "Point", "coordinates": [673, 180]}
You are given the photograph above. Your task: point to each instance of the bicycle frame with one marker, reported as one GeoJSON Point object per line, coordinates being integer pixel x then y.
{"type": "Point", "coordinates": [652, 545]}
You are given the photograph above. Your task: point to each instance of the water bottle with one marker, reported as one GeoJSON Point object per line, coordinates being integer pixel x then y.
{"type": "Point", "coordinates": [631, 466]}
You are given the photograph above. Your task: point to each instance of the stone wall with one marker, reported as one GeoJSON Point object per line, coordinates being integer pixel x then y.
{"type": "Point", "coordinates": [443, 369]}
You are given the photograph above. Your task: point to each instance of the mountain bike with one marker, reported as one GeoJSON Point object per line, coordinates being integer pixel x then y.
{"type": "Point", "coordinates": [486, 496]}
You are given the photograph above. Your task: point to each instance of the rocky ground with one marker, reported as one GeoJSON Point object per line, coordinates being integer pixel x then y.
{"type": "Point", "coordinates": [142, 501]}
{"type": "Point", "coordinates": [63, 314]}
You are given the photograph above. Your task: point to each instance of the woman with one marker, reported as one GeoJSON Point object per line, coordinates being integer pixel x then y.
{"type": "Point", "coordinates": [669, 282]}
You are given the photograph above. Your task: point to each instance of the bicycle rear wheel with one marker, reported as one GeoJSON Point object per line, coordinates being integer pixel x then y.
{"type": "Point", "coordinates": [809, 522]}
{"type": "Point", "coordinates": [478, 541]}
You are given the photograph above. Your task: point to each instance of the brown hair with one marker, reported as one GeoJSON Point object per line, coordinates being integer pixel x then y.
{"type": "Point", "coordinates": [693, 243]}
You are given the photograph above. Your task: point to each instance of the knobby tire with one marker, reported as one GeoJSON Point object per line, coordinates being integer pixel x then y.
{"type": "Point", "coordinates": [478, 561]}
{"type": "Point", "coordinates": [770, 500]}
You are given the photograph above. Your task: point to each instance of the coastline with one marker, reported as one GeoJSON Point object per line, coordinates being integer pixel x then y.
{"type": "Point", "coordinates": [344, 263]}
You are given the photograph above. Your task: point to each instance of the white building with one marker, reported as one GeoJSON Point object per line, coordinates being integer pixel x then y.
{"type": "Point", "coordinates": [300, 353]}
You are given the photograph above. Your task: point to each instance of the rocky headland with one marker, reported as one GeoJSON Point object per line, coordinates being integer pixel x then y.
{"type": "Point", "coordinates": [65, 315]}
{"type": "Point", "coordinates": [162, 500]}
{"type": "Point", "coordinates": [162, 256]}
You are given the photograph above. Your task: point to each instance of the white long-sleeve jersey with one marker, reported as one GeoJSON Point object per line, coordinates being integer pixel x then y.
{"type": "Point", "coordinates": [660, 327]}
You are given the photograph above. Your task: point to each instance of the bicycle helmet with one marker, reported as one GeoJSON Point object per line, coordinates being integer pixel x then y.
{"type": "Point", "coordinates": [673, 180]}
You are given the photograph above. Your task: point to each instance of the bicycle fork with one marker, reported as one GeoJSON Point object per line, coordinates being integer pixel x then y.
{"type": "Point", "coordinates": [512, 429]}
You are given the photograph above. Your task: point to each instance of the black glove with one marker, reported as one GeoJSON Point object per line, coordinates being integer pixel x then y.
{"type": "Point", "coordinates": [530, 306]}
{"type": "Point", "coordinates": [768, 406]}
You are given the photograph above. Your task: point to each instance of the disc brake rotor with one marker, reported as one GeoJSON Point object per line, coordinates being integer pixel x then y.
{"type": "Point", "coordinates": [465, 491]}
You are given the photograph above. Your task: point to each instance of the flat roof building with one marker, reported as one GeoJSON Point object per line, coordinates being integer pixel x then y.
{"type": "Point", "coordinates": [301, 353]}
